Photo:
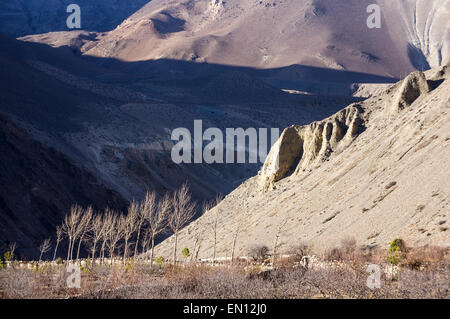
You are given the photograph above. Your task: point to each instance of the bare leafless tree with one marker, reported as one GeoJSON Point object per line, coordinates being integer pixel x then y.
{"type": "Point", "coordinates": [233, 247]}
{"type": "Point", "coordinates": [183, 210]}
{"type": "Point", "coordinates": [95, 234]}
{"type": "Point", "coordinates": [277, 237]}
{"type": "Point", "coordinates": [114, 233]}
{"type": "Point", "coordinates": [145, 242]}
{"type": "Point", "coordinates": [129, 225]}
{"type": "Point", "coordinates": [107, 228]}
{"type": "Point", "coordinates": [206, 206]}
{"type": "Point", "coordinates": [84, 226]}
{"type": "Point", "coordinates": [156, 216]}
{"type": "Point", "coordinates": [236, 233]}
{"type": "Point", "coordinates": [148, 203]}
{"type": "Point", "coordinates": [219, 198]}
{"type": "Point", "coordinates": [59, 237]}
{"type": "Point", "coordinates": [12, 248]}
{"type": "Point", "coordinates": [197, 246]}
{"type": "Point", "coordinates": [215, 223]}
{"type": "Point", "coordinates": [43, 248]}
{"type": "Point", "coordinates": [70, 227]}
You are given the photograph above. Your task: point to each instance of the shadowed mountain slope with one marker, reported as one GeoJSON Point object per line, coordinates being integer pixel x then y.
{"type": "Point", "coordinates": [39, 185]}
{"type": "Point", "coordinates": [21, 17]}
{"type": "Point", "coordinates": [115, 118]}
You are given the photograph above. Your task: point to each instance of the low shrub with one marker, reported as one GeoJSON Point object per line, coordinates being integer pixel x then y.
{"type": "Point", "coordinates": [425, 257]}
{"type": "Point", "coordinates": [396, 250]}
{"type": "Point", "coordinates": [299, 251]}
{"type": "Point", "coordinates": [8, 256]}
{"type": "Point", "coordinates": [259, 252]}
{"type": "Point", "coordinates": [159, 261]}
{"type": "Point", "coordinates": [334, 254]}
{"type": "Point", "coordinates": [186, 253]}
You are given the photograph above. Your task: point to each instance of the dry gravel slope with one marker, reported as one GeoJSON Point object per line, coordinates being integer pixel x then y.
{"type": "Point", "coordinates": [382, 177]}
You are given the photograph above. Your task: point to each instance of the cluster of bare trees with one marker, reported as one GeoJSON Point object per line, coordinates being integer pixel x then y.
{"type": "Point", "coordinates": [113, 234]}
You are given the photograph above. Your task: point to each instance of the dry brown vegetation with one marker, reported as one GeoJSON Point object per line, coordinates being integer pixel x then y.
{"type": "Point", "coordinates": [112, 270]}
{"type": "Point", "coordinates": [423, 273]}
{"type": "Point", "coordinates": [204, 281]}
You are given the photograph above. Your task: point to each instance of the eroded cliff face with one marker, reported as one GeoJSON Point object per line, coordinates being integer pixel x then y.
{"type": "Point", "coordinates": [410, 90]}
{"type": "Point", "coordinates": [300, 148]}
{"type": "Point", "coordinates": [425, 25]}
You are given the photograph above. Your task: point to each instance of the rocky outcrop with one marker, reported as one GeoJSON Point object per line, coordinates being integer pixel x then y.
{"type": "Point", "coordinates": [301, 147]}
{"type": "Point", "coordinates": [410, 89]}
{"type": "Point", "coordinates": [282, 157]}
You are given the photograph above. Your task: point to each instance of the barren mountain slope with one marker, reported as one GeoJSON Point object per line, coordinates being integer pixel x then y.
{"type": "Point", "coordinates": [21, 17]}
{"type": "Point", "coordinates": [117, 123]}
{"type": "Point", "coordinates": [376, 170]}
{"type": "Point", "coordinates": [38, 187]}
{"type": "Point", "coordinates": [270, 33]}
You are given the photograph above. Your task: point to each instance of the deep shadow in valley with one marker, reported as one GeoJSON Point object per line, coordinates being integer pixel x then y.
{"type": "Point", "coordinates": [57, 92]}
